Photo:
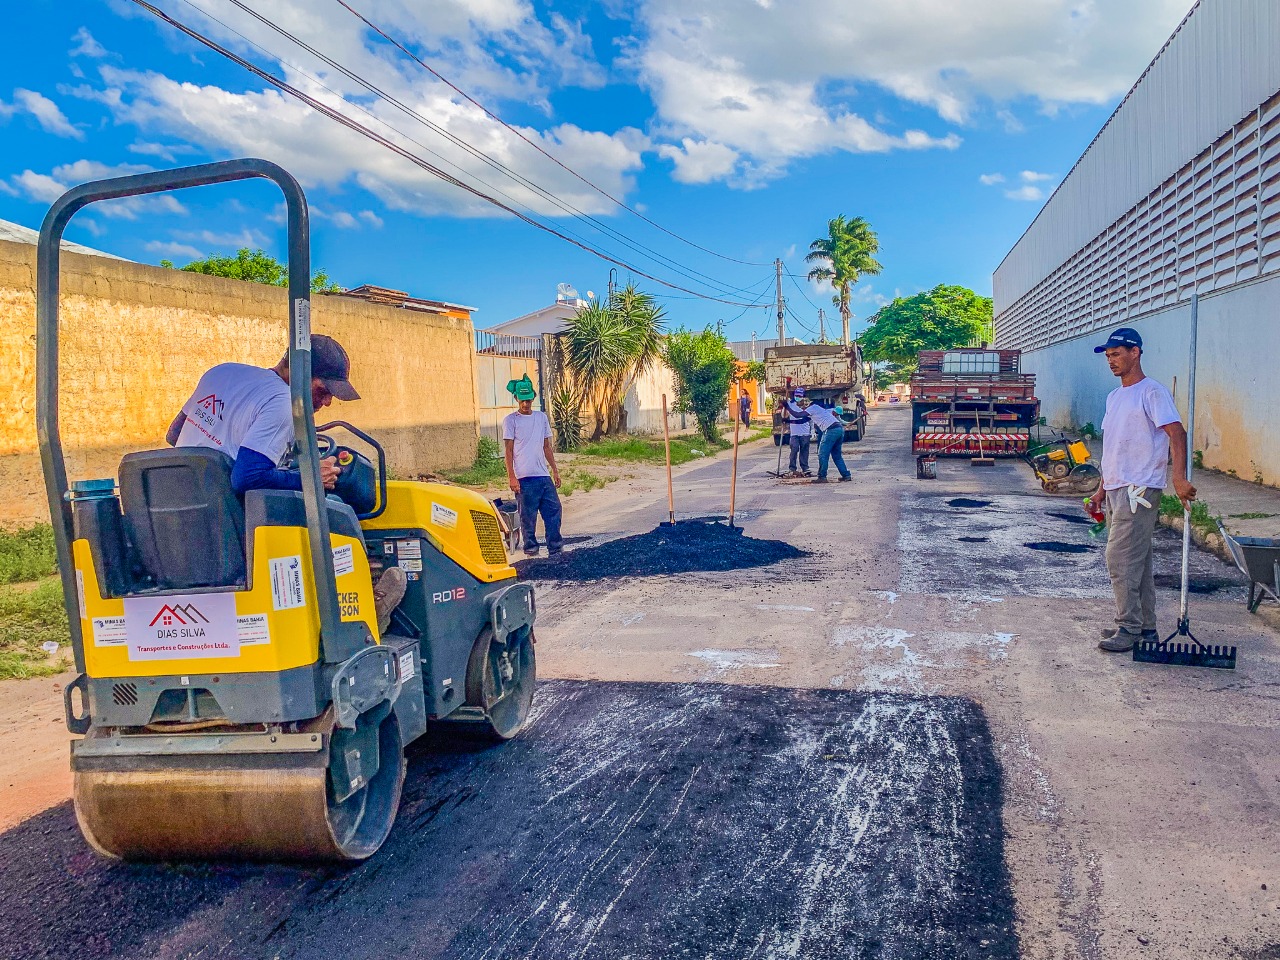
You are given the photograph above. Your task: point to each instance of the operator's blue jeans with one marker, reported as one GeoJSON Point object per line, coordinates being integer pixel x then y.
{"type": "Point", "coordinates": [538, 495]}
{"type": "Point", "coordinates": [832, 448]}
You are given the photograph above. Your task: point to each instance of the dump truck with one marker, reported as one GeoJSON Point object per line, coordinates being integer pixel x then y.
{"type": "Point", "coordinates": [831, 374]}
{"type": "Point", "coordinates": [234, 695]}
{"type": "Point", "coordinates": [972, 402]}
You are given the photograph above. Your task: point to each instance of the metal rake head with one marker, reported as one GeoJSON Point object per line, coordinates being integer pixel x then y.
{"type": "Point", "coordinates": [1193, 653]}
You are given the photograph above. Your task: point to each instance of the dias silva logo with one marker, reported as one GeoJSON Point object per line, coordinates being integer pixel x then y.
{"type": "Point", "coordinates": [183, 622]}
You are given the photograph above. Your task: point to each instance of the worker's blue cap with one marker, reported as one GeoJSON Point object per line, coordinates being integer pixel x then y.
{"type": "Point", "coordinates": [1124, 337]}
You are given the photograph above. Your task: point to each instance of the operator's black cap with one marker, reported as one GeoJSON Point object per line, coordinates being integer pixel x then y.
{"type": "Point", "coordinates": [1124, 337]}
{"type": "Point", "coordinates": [331, 364]}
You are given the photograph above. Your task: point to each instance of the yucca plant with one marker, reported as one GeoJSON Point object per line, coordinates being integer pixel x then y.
{"type": "Point", "coordinates": [566, 419]}
{"type": "Point", "coordinates": [607, 346]}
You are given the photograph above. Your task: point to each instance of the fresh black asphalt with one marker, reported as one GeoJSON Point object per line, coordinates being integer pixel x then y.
{"type": "Point", "coordinates": [628, 821]}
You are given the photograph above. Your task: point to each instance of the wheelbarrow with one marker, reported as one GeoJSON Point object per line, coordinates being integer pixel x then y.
{"type": "Point", "coordinates": [1258, 559]}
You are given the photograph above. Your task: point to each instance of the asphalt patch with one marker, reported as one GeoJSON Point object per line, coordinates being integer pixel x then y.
{"type": "Point", "coordinates": [1074, 518]}
{"type": "Point", "coordinates": [973, 539]}
{"type": "Point", "coordinates": [1200, 585]}
{"type": "Point", "coordinates": [1057, 546]}
{"type": "Point", "coordinates": [968, 504]}
{"type": "Point", "coordinates": [691, 546]}
{"type": "Point", "coordinates": [629, 821]}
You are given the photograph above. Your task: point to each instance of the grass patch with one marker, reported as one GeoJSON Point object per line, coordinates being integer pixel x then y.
{"type": "Point", "coordinates": [1171, 506]}
{"type": "Point", "coordinates": [574, 479]}
{"type": "Point", "coordinates": [29, 618]}
{"type": "Point", "coordinates": [488, 466]}
{"type": "Point", "coordinates": [27, 554]}
{"type": "Point", "coordinates": [1253, 516]}
{"type": "Point", "coordinates": [634, 449]}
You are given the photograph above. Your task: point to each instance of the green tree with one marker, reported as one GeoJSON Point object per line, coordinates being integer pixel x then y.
{"type": "Point", "coordinates": [703, 366]}
{"type": "Point", "coordinates": [843, 256]}
{"type": "Point", "coordinates": [607, 346]}
{"type": "Point", "coordinates": [255, 266]}
{"type": "Point", "coordinates": [939, 319]}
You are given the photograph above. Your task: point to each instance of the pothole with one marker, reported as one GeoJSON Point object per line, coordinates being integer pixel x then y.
{"type": "Point", "coordinates": [968, 504]}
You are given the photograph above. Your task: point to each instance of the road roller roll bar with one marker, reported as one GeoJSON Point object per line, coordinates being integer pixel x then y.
{"type": "Point", "coordinates": [338, 640]}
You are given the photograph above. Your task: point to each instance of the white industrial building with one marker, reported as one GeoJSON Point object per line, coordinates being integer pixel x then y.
{"type": "Point", "coordinates": [1179, 191]}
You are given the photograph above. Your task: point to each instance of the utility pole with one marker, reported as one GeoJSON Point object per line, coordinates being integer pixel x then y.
{"type": "Point", "coordinates": [753, 346]}
{"type": "Point", "coordinates": [822, 325]}
{"type": "Point", "coordinates": [720, 327]}
{"type": "Point", "coordinates": [782, 331]}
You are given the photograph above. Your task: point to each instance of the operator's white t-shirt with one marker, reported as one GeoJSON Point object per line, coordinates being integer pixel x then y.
{"type": "Point", "coordinates": [235, 405]}
{"type": "Point", "coordinates": [1135, 450]}
{"type": "Point", "coordinates": [803, 429]}
{"type": "Point", "coordinates": [528, 431]}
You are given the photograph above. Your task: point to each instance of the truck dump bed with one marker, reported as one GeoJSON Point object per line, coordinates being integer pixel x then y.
{"type": "Point", "coordinates": [970, 401]}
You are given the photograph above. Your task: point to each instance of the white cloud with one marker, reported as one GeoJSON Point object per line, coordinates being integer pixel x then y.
{"type": "Point", "coordinates": [45, 111]}
{"type": "Point", "coordinates": [700, 161]}
{"type": "Point", "coordinates": [92, 226]}
{"type": "Point", "coordinates": [1028, 192]}
{"type": "Point", "coordinates": [780, 81]}
{"type": "Point", "coordinates": [169, 249]}
{"type": "Point", "coordinates": [223, 242]}
{"type": "Point", "coordinates": [1030, 176]}
{"type": "Point", "coordinates": [371, 218]}
{"type": "Point", "coordinates": [86, 45]}
{"type": "Point", "coordinates": [320, 152]}
{"type": "Point", "coordinates": [990, 179]}
{"type": "Point", "coordinates": [47, 187]}
{"type": "Point", "coordinates": [169, 152]}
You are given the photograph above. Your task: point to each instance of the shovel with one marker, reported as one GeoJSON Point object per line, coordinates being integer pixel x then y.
{"type": "Point", "coordinates": [1187, 651]}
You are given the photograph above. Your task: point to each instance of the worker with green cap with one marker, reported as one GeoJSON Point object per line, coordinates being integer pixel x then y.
{"type": "Point", "coordinates": [531, 468]}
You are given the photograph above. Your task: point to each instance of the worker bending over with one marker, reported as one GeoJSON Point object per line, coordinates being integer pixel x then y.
{"type": "Point", "coordinates": [1140, 430]}
{"type": "Point", "coordinates": [801, 429]}
{"type": "Point", "coordinates": [245, 412]}
{"type": "Point", "coordinates": [831, 446]}
{"type": "Point", "coordinates": [532, 473]}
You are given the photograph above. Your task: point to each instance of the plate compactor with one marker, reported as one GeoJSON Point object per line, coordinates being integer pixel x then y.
{"type": "Point", "coordinates": [235, 696]}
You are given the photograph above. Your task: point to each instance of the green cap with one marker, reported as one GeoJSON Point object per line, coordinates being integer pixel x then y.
{"type": "Point", "coordinates": [521, 389]}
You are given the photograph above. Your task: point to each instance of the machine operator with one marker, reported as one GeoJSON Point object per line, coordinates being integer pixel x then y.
{"type": "Point", "coordinates": [245, 412]}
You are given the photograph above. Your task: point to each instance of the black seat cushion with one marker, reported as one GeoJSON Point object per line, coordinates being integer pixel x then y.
{"type": "Point", "coordinates": [183, 517]}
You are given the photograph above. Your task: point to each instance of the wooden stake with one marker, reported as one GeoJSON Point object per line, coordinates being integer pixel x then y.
{"type": "Point", "coordinates": [733, 477]}
{"type": "Point", "coordinates": [666, 437]}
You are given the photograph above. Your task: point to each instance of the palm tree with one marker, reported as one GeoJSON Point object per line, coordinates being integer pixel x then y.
{"type": "Point", "coordinates": [844, 255]}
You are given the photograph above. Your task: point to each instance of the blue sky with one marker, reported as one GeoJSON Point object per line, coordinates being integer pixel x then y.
{"type": "Point", "coordinates": [739, 125]}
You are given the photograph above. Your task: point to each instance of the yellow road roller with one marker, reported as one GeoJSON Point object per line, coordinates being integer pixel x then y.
{"type": "Point", "coordinates": [234, 695]}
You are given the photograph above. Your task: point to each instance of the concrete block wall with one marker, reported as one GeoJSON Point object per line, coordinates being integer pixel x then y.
{"type": "Point", "coordinates": [136, 338]}
{"type": "Point", "coordinates": [1237, 375]}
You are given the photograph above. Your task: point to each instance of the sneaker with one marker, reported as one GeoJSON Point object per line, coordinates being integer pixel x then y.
{"type": "Point", "coordinates": [1121, 642]}
{"type": "Point", "coordinates": [846, 478]}
{"type": "Point", "coordinates": [387, 594]}
{"type": "Point", "coordinates": [530, 551]}
{"type": "Point", "coordinates": [821, 480]}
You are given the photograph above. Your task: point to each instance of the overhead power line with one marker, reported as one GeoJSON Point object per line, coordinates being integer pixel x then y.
{"type": "Point", "coordinates": [359, 128]}
{"type": "Point", "coordinates": [493, 116]}
{"type": "Point", "coordinates": [695, 275]}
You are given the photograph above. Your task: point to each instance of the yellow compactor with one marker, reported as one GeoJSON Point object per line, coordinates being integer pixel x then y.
{"type": "Point", "coordinates": [235, 698]}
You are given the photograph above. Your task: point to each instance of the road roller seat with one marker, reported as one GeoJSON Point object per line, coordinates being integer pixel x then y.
{"type": "Point", "coordinates": [183, 517]}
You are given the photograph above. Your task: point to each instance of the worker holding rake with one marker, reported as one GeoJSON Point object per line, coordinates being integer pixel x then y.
{"type": "Point", "coordinates": [1141, 428]}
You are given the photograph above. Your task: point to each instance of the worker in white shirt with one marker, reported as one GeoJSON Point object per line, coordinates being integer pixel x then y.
{"type": "Point", "coordinates": [831, 446]}
{"type": "Point", "coordinates": [801, 429]}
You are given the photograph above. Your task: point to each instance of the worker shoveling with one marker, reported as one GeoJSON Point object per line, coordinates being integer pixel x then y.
{"type": "Point", "coordinates": [245, 686]}
{"type": "Point", "coordinates": [687, 546]}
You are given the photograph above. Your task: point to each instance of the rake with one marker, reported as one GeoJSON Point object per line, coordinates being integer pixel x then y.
{"type": "Point", "coordinates": [1187, 652]}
